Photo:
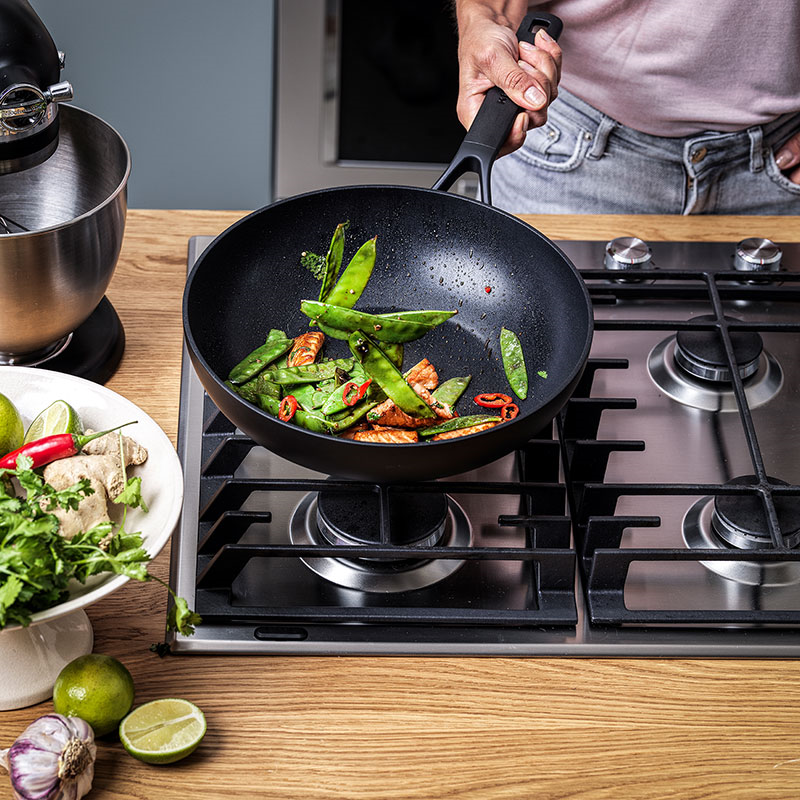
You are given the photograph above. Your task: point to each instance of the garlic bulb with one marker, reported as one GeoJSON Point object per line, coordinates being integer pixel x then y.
{"type": "Point", "coordinates": [53, 759]}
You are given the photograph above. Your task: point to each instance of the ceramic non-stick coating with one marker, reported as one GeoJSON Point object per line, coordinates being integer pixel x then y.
{"type": "Point", "coordinates": [435, 250]}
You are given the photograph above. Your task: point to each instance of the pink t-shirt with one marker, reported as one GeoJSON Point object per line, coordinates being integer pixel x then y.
{"type": "Point", "coordinates": [679, 67]}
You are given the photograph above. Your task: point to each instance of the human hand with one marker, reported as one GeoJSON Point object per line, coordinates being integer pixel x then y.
{"type": "Point", "coordinates": [788, 158]}
{"type": "Point", "coordinates": [490, 55]}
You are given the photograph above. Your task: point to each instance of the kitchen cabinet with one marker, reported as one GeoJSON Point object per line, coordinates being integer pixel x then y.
{"type": "Point", "coordinates": [386, 727]}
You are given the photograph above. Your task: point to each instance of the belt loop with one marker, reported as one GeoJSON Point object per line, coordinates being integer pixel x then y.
{"type": "Point", "coordinates": [756, 149]}
{"type": "Point", "coordinates": [601, 137]}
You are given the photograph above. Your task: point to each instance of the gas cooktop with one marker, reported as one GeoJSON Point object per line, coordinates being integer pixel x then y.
{"type": "Point", "coordinates": [658, 515]}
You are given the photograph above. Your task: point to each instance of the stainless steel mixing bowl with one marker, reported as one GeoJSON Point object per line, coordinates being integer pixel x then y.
{"type": "Point", "coordinates": [61, 227]}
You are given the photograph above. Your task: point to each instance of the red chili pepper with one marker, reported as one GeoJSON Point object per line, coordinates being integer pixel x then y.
{"type": "Point", "coordinates": [287, 408]}
{"type": "Point", "coordinates": [509, 411]}
{"type": "Point", "coordinates": [492, 400]}
{"type": "Point", "coordinates": [51, 448]}
{"type": "Point", "coordinates": [350, 393]}
{"type": "Point", "coordinates": [362, 390]}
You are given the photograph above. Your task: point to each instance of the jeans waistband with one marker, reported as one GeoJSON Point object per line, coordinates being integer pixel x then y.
{"type": "Point", "coordinates": [748, 143]}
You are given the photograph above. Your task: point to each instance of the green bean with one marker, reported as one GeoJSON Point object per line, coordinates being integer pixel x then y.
{"type": "Point", "coordinates": [275, 346]}
{"type": "Point", "coordinates": [354, 279]}
{"type": "Point", "coordinates": [387, 376]}
{"type": "Point", "coordinates": [456, 423]}
{"type": "Point", "coordinates": [345, 319]}
{"type": "Point", "coordinates": [333, 261]}
{"type": "Point", "coordinates": [514, 362]}
{"type": "Point", "coordinates": [449, 391]}
{"type": "Point", "coordinates": [305, 419]}
{"type": "Point", "coordinates": [308, 373]}
{"type": "Point", "coordinates": [422, 317]}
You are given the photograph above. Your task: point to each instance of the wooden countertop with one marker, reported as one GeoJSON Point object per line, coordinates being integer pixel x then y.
{"type": "Point", "coordinates": [415, 728]}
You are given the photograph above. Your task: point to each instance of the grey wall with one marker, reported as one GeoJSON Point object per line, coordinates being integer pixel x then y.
{"type": "Point", "coordinates": [187, 83]}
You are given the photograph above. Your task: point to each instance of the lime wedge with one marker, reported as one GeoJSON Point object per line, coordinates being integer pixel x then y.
{"type": "Point", "coordinates": [11, 427]}
{"type": "Point", "coordinates": [58, 417]}
{"type": "Point", "coordinates": [162, 731]}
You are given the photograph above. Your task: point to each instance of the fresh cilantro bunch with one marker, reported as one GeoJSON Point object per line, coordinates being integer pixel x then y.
{"type": "Point", "coordinates": [37, 563]}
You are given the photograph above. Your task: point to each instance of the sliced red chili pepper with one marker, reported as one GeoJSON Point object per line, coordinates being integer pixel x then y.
{"type": "Point", "coordinates": [509, 411]}
{"type": "Point", "coordinates": [287, 407]}
{"type": "Point", "coordinates": [362, 390]}
{"type": "Point", "coordinates": [350, 393]}
{"type": "Point", "coordinates": [492, 400]}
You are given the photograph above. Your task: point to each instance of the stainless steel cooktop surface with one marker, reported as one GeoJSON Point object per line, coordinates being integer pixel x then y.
{"type": "Point", "coordinates": [659, 517]}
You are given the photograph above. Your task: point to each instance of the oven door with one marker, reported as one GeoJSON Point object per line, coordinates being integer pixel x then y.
{"type": "Point", "coordinates": [366, 93]}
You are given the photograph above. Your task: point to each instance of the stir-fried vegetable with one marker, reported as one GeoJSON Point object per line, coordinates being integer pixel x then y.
{"type": "Point", "coordinates": [366, 397]}
{"type": "Point", "coordinates": [514, 362]}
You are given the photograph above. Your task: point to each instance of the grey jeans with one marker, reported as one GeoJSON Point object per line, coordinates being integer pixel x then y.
{"type": "Point", "coordinates": [582, 161]}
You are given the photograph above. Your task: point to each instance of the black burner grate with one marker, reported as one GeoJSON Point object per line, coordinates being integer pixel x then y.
{"type": "Point", "coordinates": [598, 529]}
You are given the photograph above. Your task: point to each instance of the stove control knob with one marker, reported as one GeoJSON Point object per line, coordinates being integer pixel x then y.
{"type": "Point", "coordinates": [628, 252]}
{"type": "Point", "coordinates": [757, 254]}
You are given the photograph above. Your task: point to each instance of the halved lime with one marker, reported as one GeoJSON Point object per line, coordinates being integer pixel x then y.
{"type": "Point", "coordinates": [163, 731]}
{"type": "Point", "coordinates": [58, 417]}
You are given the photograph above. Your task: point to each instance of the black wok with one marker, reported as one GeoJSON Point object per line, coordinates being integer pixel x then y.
{"type": "Point", "coordinates": [435, 250]}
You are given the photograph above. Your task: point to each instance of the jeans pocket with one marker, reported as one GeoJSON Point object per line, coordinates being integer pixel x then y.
{"type": "Point", "coordinates": [778, 177]}
{"type": "Point", "coordinates": [560, 145]}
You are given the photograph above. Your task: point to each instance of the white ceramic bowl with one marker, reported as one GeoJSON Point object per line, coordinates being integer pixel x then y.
{"type": "Point", "coordinates": [31, 657]}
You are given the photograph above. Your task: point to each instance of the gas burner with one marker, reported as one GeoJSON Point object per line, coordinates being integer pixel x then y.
{"type": "Point", "coordinates": [422, 520]}
{"type": "Point", "coordinates": [691, 367]}
{"type": "Point", "coordinates": [701, 354]}
{"type": "Point", "coordinates": [738, 522]}
{"type": "Point", "coordinates": [92, 351]}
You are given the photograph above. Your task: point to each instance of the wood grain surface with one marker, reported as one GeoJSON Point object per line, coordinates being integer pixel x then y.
{"type": "Point", "coordinates": [415, 728]}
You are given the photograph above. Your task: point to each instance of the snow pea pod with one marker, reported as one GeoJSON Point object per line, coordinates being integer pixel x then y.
{"type": "Point", "coordinates": [308, 373]}
{"type": "Point", "coordinates": [387, 376]}
{"type": "Point", "coordinates": [256, 386]}
{"type": "Point", "coordinates": [333, 261]}
{"type": "Point", "coordinates": [347, 320]}
{"type": "Point", "coordinates": [358, 412]}
{"type": "Point", "coordinates": [334, 402]}
{"type": "Point", "coordinates": [422, 317]}
{"type": "Point", "coordinates": [354, 279]}
{"type": "Point", "coordinates": [305, 419]}
{"type": "Point", "coordinates": [514, 362]}
{"type": "Point", "coordinates": [275, 346]}
{"type": "Point", "coordinates": [456, 423]}
{"type": "Point", "coordinates": [449, 391]}
{"type": "Point", "coordinates": [304, 394]}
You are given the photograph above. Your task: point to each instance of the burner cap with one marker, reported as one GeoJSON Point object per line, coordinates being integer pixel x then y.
{"type": "Point", "coordinates": [739, 519]}
{"type": "Point", "coordinates": [354, 518]}
{"type": "Point", "coordinates": [701, 354]}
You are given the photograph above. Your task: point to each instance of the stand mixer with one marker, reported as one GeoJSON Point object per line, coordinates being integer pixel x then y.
{"type": "Point", "coordinates": [63, 203]}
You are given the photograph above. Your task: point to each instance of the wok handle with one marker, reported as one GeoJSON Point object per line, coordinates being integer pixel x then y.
{"type": "Point", "coordinates": [492, 124]}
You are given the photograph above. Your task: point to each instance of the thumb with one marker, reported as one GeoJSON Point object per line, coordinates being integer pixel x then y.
{"type": "Point", "coordinates": [789, 153]}
{"type": "Point", "coordinates": [519, 84]}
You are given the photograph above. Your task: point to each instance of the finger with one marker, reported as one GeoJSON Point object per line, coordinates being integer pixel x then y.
{"type": "Point", "coordinates": [545, 42]}
{"type": "Point", "coordinates": [516, 138]}
{"type": "Point", "coordinates": [788, 154]}
{"type": "Point", "coordinates": [543, 78]}
{"type": "Point", "coordinates": [525, 90]}
{"type": "Point", "coordinates": [794, 176]}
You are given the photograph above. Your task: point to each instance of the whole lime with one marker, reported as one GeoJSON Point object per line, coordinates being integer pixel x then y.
{"type": "Point", "coordinates": [96, 688]}
{"type": "Point", "coordinates": [12, 430]}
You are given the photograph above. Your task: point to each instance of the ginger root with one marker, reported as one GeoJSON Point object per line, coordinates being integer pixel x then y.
{"type": "Point", "coordinates": [101, 463]}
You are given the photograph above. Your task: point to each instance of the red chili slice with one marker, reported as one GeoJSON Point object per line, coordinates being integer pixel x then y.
{"type": "Point", "coordinates": [509, 411]}
{"type": "Point", "coordinates": [287, 407]}
{"type": "Point", "coordinates": [362, 390]}
{"type": "Point", "coordinates": [350, 393]}
{"type": "Point", "coordinates": [492, 400]}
